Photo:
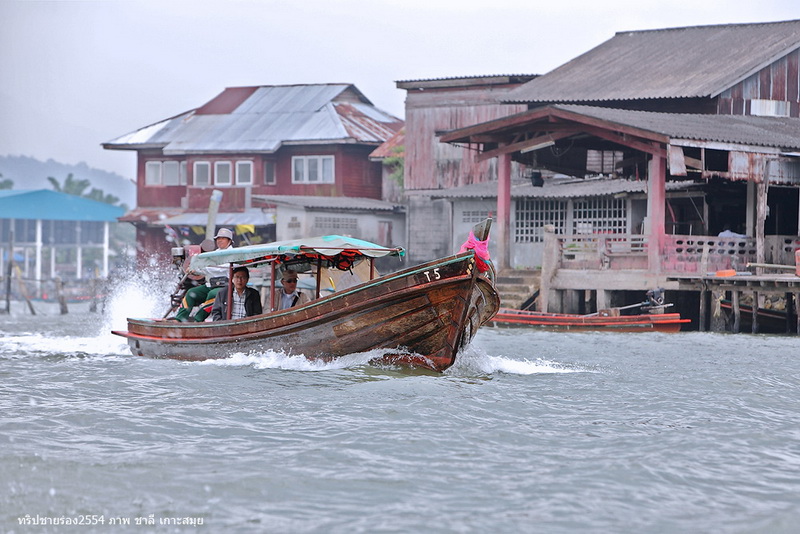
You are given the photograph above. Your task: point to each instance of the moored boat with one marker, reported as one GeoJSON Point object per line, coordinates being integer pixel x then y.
{"type": "Point", "coordinates": [663, 322]}
{"type": "Point", "coordinates": [420, 316]}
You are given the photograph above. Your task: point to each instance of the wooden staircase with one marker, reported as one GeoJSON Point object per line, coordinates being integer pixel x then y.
{"type": "Point", "coordinates": [515, 286]}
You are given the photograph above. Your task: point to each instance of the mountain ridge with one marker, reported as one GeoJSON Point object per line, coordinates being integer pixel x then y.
{"type": "Point", "coordinates": [30, 173]}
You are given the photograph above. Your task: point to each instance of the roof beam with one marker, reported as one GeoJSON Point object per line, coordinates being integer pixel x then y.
{"type": "Point", "coordinates": [522, 145]}
{"type": "Point", "coordinates": [628, 141]}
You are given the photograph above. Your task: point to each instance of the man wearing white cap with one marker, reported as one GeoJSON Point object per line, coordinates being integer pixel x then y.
{"type": "Point", "coordinates": [216, 278]}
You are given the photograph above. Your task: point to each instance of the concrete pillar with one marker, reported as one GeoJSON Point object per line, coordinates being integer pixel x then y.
{"type": "Point", "coordinates": [656, 210]}
{"type": "Point", "coordinates": [38, 266]}
{"type": "Point", "coordinates": [503, 211]}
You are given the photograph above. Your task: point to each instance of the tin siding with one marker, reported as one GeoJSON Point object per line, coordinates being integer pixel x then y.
{"type": "Point", "coordinates": [778, 81]}
{"type": "Point", "coordinates": [430, 164]}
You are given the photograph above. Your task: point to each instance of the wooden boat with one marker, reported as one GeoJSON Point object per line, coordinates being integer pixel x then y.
{"type": "Point", "coordinates": [419, 316]}
{"type": "Point", "coordinates": [664, 322]}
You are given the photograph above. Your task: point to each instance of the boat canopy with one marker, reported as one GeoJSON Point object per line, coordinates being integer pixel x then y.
{"type": "Point", "coordinates": [335, 248]}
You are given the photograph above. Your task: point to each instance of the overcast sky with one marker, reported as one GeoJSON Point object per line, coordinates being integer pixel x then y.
{"type": "Point", "coordinates": [74, 74]}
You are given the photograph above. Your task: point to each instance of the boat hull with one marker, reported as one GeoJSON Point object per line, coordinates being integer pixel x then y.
{"type": "Point", "coordinates": [422, 316]}
{"type": "Point", "coordinates": [665, 322]}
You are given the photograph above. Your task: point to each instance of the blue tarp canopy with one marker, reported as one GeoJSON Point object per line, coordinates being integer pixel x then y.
{"type": "Point", "coordinates": [54, 206]}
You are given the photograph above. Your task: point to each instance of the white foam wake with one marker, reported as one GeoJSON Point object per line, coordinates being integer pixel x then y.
{"type": "Point", "coordinates": [475, 361]}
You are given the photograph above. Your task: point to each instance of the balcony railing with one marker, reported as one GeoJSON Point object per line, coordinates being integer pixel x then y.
{"type": "Point", "coordinates": [681, 254]}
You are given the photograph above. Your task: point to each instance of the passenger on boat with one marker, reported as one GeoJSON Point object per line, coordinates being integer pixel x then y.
{"type": "Point", "coordinates": [289, 295]}
{"type": "Point", "coordinates": [203, 295]}
{"type": "Point", "coordinates": [246, 300]}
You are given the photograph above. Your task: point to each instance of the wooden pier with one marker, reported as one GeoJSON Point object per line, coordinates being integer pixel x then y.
{"type": "Point", "coordinates": [716, 289]}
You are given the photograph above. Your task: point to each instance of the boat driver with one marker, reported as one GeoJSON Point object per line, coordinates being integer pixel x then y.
{"type": "Point", "coordinates": [289, 295]}
{"type": "Point", "coordinates": [216, 278]}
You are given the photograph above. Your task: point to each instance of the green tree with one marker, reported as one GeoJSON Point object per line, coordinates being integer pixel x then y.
{"type": "Point", "coordinates": [100, 196]}
{"type": "Point", "coordinates": [7, 183]}
{"type": "Point", "coordinates": [396, 164]}
{"type": "Point", "coordinates": [71, 185]}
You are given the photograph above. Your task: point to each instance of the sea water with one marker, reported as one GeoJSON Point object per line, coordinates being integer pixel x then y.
{"type": "Point", "coordinates": [531, 431]}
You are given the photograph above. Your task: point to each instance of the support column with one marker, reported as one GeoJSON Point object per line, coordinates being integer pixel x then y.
{"type": "Point", "coordinates": [78, 252]}
{"type": "Point", "coordinates": [38, 266]}
{"type": "Point", "coordinates": [550, 262]}
{"type": "Point", "coordinates": [750, 223]}
{"type": "Point", "coordinates": [754, 314]}
{"type": "Point", "coordinates": [105, 249]}
{"type": "Point", "coordinates": [701, 323]}
{"type": "Point", "coordinates": [656, 210]}
{"type": "Point", "coordinates": [761, 215]}
{"type": "Point", "coordinates": [503, 211]}
{"type": "Point", "coordinates": [737, 313]}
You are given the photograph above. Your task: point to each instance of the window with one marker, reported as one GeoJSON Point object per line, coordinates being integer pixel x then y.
{"type": "Point", "coordinates": [222, 173]}
{"type": "Point", "coordinates": [532, 215]}
{"type": "Point", "coordinates": [599, 215]}
{"type": "Point", "coordinates": [202, 173]}
{"type": "Point", "coordinates": [152, 173]}
{"type": "Point", "coordinates": [312, 170]}
{"type": "Point", "coordinates": [269, 172]}
{"type": "Point", "coordinates": [336, 225]}
{"type": "Point", "coordinates": [474, 216]}
{"type": "Point", "coordinates": [165, 173]}
{"type": "Point", "coordinates": [171, 173]}
{"type": "Point", "coordinates": [244, 173]}
{"type": "Point", "coordinates": [603, 161]}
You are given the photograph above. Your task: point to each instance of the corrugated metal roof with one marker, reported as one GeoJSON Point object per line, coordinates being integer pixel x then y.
{"type": "Point", "coordinates": [254, 216]}
{"type": "Point", "coordinates": [269, 117]}
{"type": "Point", "coordinates": [330, 203]}
{"type": "Point", "coordinates": [464, 81]}
{"type": "Point", "coordinates": [54, 206]}
{"type": "Point", "coordinates": [778, 132]}
{"type": "Point", "coordinates": [181, 217]}
{"type": "Point", "coordinates": [393, 147]}
{"type": "Point", "coordinates": [698, 61]}
{"type": "Point", "coordinates": [554, 188]}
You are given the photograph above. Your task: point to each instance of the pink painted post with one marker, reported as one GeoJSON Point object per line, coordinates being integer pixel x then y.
{"type": "Point", "coordinates": [503, 211]}
{"type": "Point", "coordinates": [656, 210]}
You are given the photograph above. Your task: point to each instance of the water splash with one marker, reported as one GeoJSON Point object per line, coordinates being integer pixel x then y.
{"type": "Point", "coordinates": [141, 294]}
{"type": "Point", "coordinates": [473, 360]}
{"type": "Point", "coordinates": [270, 359]}
{"type": "Point", "coordinates": [36, 344]}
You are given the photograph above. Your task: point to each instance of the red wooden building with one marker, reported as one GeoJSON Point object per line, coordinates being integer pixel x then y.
{"type": "Point", "coordinates": [248, 142]}
{"type": "Point", "coordinates": [434, 107]}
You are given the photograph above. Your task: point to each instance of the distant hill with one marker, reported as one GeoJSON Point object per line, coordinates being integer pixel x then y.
{"type": "Point", "coordinates": [31, 173]}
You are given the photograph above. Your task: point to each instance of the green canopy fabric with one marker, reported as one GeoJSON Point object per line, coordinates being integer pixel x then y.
{"type": "Point", "coordinates": [329, 245]}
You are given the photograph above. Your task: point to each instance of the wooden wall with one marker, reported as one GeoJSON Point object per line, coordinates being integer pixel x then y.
{"type": "Point", "coordinates": [779, 81]}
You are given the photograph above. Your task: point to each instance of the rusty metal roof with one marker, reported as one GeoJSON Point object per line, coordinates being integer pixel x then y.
{"type": "Point", "coordinates": [697, 61]}
{"type": "Point", "coordinates": [776, 132]}
{"type": "Point", "coordinates": [182, 217]}
{"type": "Point", "coordinates": [394, 146]}
{"type": "Point", "coordinates": [263, 118]}
{"type": "Point", "coordinates": [782, 133]}
{"type": "Point", "coordinates": [330, 203]}
{"type": "Point", "coordinates": [554, 188]}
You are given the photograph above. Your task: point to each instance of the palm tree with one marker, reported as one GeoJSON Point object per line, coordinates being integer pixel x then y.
{"type": "Point", "coordinates": [71, 186]}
